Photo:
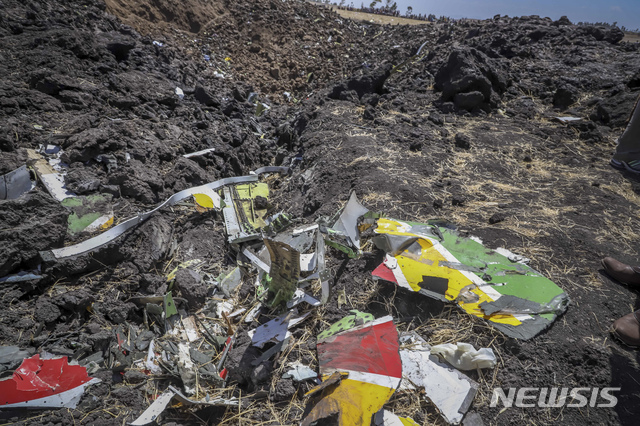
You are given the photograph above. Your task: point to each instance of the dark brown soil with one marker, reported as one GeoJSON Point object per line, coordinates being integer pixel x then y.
{"type": "Point", "coordinates": [464, 131]}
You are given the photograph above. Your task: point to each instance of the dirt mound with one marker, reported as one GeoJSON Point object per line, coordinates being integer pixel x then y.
{"type": "Point", "coordinates": [451, 121]}
{"type": "Point", "coordinates": [156, 17]}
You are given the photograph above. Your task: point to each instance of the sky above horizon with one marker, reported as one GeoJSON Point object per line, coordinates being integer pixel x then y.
{"type": "Point", "coordinates": [624, 12]}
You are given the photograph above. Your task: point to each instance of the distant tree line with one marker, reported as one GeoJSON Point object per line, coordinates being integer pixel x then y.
{"type": "Point", "coordinates": [608, 25]}
{"type": "Point", "coordinates": [389, 8]}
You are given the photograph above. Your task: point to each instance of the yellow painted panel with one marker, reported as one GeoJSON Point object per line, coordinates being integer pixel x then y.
{"type": "Point", "coordinates": [107, 224]}
{"type": "Point", "coordinates": [356, 401]}
{"type": "Point", "coordinates": [427, 264]}
{"type": "Point", "coordinates": [203, 200]}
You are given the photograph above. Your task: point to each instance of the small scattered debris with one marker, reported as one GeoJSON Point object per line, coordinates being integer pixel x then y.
{"type": "Point", "coordinates": [154, 411]}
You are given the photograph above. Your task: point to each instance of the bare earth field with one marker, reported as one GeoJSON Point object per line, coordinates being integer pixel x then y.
{"type": "Point", "coordinates": [464, 132]}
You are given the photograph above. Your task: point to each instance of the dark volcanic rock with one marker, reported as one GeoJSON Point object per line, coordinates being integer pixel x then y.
{"type": "Point", "coordinates": [463, 141]}
{"type": "Point", "coordinates": [24, 231]}
{"type": "Point", "coordinates": [565, 96]}
{"type": "Point", "coordinates": [191, 287]}
{"type": "Point", "coordinates": [370, 82]}
{"type": "Point", "coordinates": [471, 72]}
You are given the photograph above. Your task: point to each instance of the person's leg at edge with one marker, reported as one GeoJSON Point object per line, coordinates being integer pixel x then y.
{"type": "Point", "coordinates": [628, 149]}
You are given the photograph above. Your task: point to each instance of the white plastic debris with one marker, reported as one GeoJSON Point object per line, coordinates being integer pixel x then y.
{"type": "Point", "coordinates": [464, 356]}
{"type": "Point", "coordinates": [223, 306]}
{"type": "Point", "coordinates": [300, 296]}
{"type": "Point", "coordinates": [199, 153]}
{"type": "Point", "coordinates": [157, 43]}
{"type": "Point", "coordinates": [180, 93]}
{"type": "Point", "coordinates": [516, 258]}
{"type": "Point", "coordinates": [275, 330]}
{"type": "Point", "coordinates": [150, 362]}
{"type": "Point", "coordinates": [299, 372]}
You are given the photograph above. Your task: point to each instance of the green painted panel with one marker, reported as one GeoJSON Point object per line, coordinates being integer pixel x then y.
{"type": "Point", "coordinates": [346, 323]}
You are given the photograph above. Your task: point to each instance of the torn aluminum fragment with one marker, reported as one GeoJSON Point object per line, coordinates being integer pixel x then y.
{"type": "Point", "coordinates": [275, 330]}
{"type": "Point", "coordinates": [256, 260]}
{"type": "Point", "coordinates": [301, 296]}
{"type": "Point", "coordinates": [21, 276]}
{"type": "Point", "coordinates": [231, 281]}
{"type": "Point", "coordinates": [199, 153]}
{"type": "Point", "coordinates": [464, 356]}
{"type": "Point", "coordinates": [323, 273]}
{"type": "Point", "coordinates": [222, 307]}
{"type": "Point", "coordinates": [52, 179]}
{"type": "Point", "coordinates": [347, 223]}
{"type": "Point", "coordinates": [387, 418]}
{"type": "Point", "coordinates": [299, 231]}
{"type": "Point", "coordinates": [186, 368]}
{"type": "Point", "coordinates": [356, 319]}
{"type": "Point", "coordinates": [15, 183]}
{"type": "Point", "coordinates": [152, 413]}
{"type": "Point", "coordinates": [253, 313]}
{"type": "Point", "coordinates": [567, 119]}
{"type": "Point", "coordinates": [368, 353]}
{"type": "Point", "coordinates": [245, 210]}
{"type": "Point", "coordinates": [284, 273]}
{"type": "Point", "coordinates": [513, 305]}
{"type": "Point", "coordinates": [276, 223]}
{"type": "Point", "coordinates": [443, 265]}
{"type": "Point", "coordinates": [108, 236]}
{"type": "Point", "coordinates": [190, 328]}
{"type": "Point", "coordinates": [278, 347]}
{"type": "Point", "coordinates": [45, 383]}
{"type": "Point", "coordinates": [448, 389]}
{"type": "Point", "coordinates": [299, 373]}
{"type": "Point", "coordinates": [308, 262]}
{"type": "Point", "coordinates": [150, 362]}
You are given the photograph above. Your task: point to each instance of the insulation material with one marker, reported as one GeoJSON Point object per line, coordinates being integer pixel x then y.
{"type": "Point", "coordinates": [448, 389]}
{"type": "Point", "coordinates": [45, 383]}
{"type": "Point", "coordinates": [437, 262]}
{"type": "Point", "coordinates": [464, 356]}
{"type": "Point", "coordinates": [366, 358]}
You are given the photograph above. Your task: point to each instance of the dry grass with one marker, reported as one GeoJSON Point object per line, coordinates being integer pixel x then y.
{"type": "Point", "coordinates": [378, 19]}
{"type": "Point", "coordinates": [631, 37]}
